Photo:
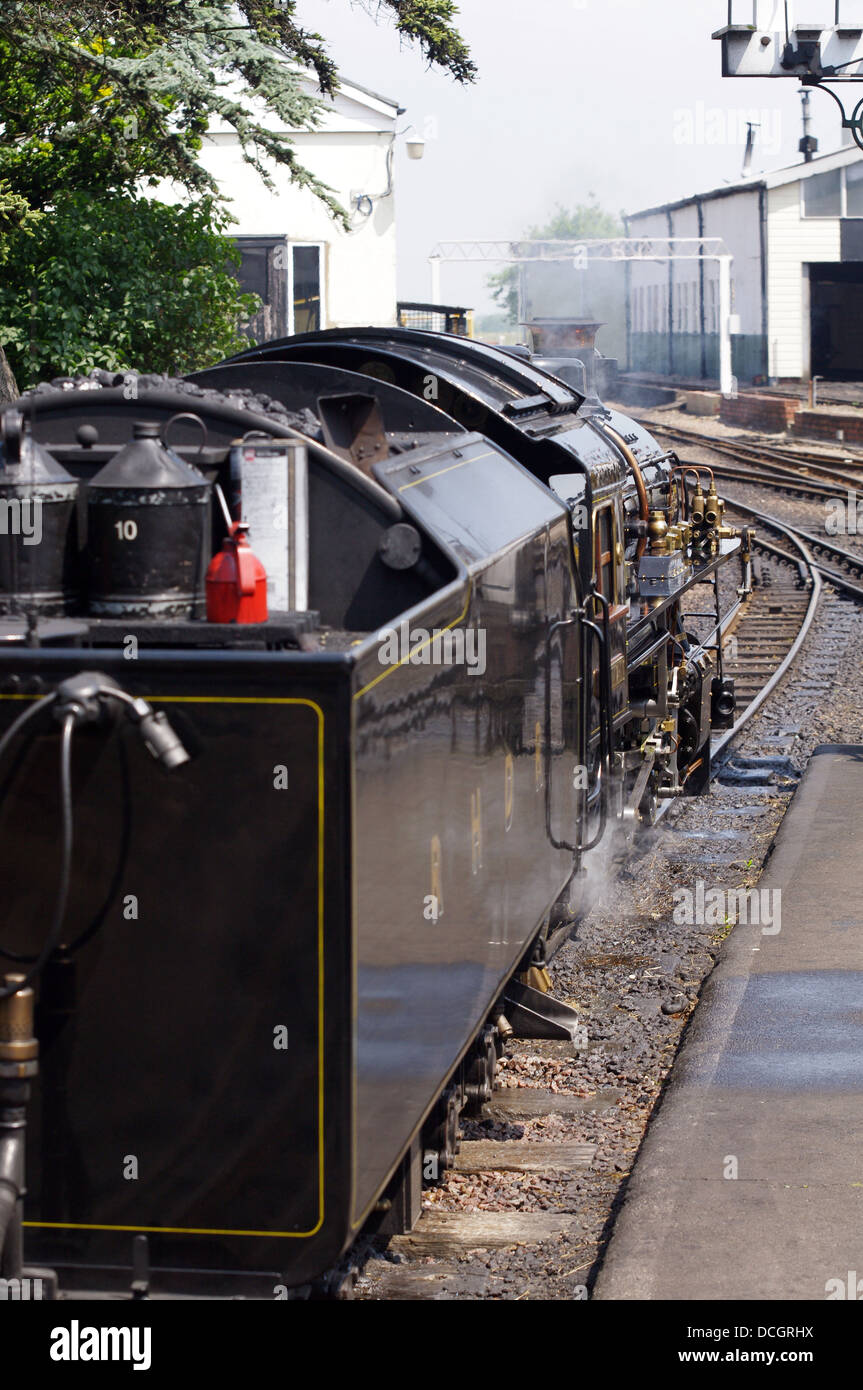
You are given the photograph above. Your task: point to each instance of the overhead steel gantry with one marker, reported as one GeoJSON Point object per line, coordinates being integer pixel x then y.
{"type": "Point", "coordinates": [764, 38]}
{"type": "Point", "coordinates": [580, 254]}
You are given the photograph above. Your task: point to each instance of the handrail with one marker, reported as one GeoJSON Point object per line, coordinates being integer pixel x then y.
{"type": "Point", "coordinates": [605, 724]}
{"type": "Point", "coordinates": [548, 762]}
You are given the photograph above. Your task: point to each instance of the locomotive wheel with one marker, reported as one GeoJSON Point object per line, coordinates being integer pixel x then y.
{"type": "Point", "coordinates": [480, 1072]}
{"type": "Point", "coordinates": [648, 808]}
{"type": "Point", "coordinates": [442, 1141]}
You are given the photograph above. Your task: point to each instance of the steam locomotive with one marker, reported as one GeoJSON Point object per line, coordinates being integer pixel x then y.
{"type": "Point", "coordinates": [330, 669]}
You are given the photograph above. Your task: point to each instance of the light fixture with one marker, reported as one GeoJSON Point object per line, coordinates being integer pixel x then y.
{"type": "Point", "coordinates": [416, 147]}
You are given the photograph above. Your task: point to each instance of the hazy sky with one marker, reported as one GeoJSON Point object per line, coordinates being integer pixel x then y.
{"type": "Point", "coordinates": [621, 98]}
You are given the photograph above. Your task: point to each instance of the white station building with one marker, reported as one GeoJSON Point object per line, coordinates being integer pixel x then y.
{"type": "Point", "coordinates": [310, 272]}
{"type": "Point", "coordinates": [796, 237]}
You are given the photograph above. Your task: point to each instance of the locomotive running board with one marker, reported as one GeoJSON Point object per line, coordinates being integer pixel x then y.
{"type": "Point", "coordinates": [532, 1014]}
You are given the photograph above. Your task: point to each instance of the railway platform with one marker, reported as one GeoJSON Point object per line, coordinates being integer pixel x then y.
{"type": "Point", "coordinates": [749, 1184]}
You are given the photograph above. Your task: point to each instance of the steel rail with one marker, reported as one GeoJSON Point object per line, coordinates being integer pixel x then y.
{"type": "Point", "coordinates": [751, 453]}
{"type": "Point", "coordinates": [720, 743]}
{"type": "Point", "coordinates": [805, 539]}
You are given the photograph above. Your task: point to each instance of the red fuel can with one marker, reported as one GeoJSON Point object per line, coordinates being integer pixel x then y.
{"type": "Point", "coordinates": [236, 582]}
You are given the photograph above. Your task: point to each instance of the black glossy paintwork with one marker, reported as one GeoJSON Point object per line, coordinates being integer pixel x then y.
{"type": "Point", "coordinates": [163, 1052]}
{"type": "Point", "coordinates": [544, 423]}
{"type": "Point", "coordinates": [304, 384]}
{"type": "Point", "coordinates": [494, 378]}
{"type": "Point", "coordinates": [460, 758]}
{"type": "Point", "coordinates": [168, 1055]}
{"type": "Point", "coordinates": [444, 776]}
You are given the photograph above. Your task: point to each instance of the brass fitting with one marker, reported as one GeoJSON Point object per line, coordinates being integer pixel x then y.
{"type": "Point", "coordinates": [696, 509]}
{"type": "Point", "coordinates": [713, 507]}
{"type": "Point", "coordinates": [17, 1043]}
{"type": "Point", "coordinates": [679, 536]}
{"type": "Point", "coordinates": [657, 530]}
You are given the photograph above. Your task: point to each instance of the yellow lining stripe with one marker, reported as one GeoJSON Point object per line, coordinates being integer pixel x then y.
{"type": "Point", "coordinates": [474, 458]}
{"type": "Point", "coordinates": [231, 1231]}
{"type": "Point", "coordinates": [405, 659]}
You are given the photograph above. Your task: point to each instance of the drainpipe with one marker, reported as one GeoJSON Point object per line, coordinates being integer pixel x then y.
{"type": "Point", "coordinates": [725, 372]}
{"type": "Point", "coordinates": [762, 217]}
{"type": "Point", "coordinates": [627, 280]}
{"type": "Point", "coordinates": [670, 223]}
{"type": "Point", "coordinates": [702, 321]}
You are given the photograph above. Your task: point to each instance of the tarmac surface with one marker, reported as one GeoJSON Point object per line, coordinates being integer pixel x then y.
{"type": "Point", "coordinates": [749, 1184]}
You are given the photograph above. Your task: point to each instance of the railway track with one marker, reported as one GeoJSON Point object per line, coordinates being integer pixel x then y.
{"type": "Point", "coordinates": [766, 636]}
{"type": "Point", "coordinates": [841, 566]}
{"type": "Point", "coordinates": [804, 474]}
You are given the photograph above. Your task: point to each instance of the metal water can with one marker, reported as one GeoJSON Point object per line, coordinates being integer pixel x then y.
{"type": "Point", "coordinates": [38, 525]}
{"type": "Point", "coordinates": [148, 532]}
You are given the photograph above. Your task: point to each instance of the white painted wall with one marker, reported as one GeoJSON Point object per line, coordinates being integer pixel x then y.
{"type": "Point", "coordinates": [737, 220]}
{"type": "Point", "coordinates": [684, 274]}
{"type": "Point", "coordinates": [649, 279]}
{"type": "Point", "coordinates": [793, 241]}
{"type": "Point", "coordinates": [349, 154]}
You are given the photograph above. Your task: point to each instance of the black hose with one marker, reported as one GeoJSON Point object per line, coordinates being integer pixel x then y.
{"type": "Point", "coordinates": [21, 958]}
{"type": "Point", "coordinates": [125, 838]}
{"type": "Point", "coordinates": [53, 937]}
{"type": "Point", "coordinates": [8, 1206]}
{"type": "Point", "coordinates": [9, 1196]}
{"type": "Point", "coordinates": [18, 724]}
{"type": "Point", "coordinates": [15, 727]}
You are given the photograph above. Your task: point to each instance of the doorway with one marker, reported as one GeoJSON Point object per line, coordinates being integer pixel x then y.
{"type": "Point", "coordinates": [836, 320]}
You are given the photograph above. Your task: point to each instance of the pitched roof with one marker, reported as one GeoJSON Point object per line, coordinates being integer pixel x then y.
{"type": "Point", "coordinates": [791, 173]}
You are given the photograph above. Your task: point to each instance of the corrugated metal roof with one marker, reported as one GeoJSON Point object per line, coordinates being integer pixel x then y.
{"type": "Point", "coordinates": [792, 173]}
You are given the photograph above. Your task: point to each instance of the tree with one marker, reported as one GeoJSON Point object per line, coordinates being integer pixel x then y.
{"type": "Point", "coordinates": [581, 223]}
{"type": "Point", "coordinates": [15, 215]}
{"type": "Point", "coordinates": [99, 99]}
{"type": "Point", "coordinates": [121, 281]}
{"type": "Point", "coordinates": [110, 90]}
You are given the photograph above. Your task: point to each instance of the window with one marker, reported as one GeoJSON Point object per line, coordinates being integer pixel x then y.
{"type": "Point", "coordinates": [605, 554]}
{"type": "Point", "coordinates": [263, 271]}
{"type": "Point", "coordinates": [822, 195]}
{"type": "Point", "coordinates": [837, 194]}
{"type": "Point", "coordinates": [305, 289]}
{"type": "Point", "coordinates": [660, 312]}
{"type": "Point", "coordinates": [711, 307]}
